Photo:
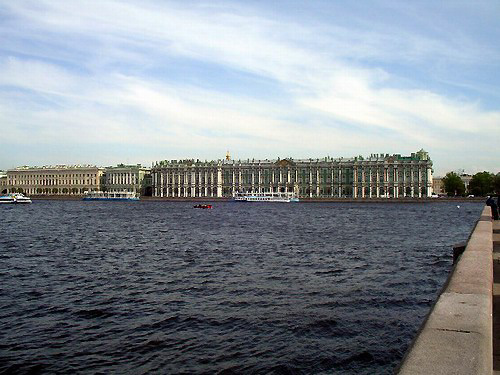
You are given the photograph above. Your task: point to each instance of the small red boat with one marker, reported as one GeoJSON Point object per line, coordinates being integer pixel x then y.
{"type": "Point", "coordinates": [205, 206]}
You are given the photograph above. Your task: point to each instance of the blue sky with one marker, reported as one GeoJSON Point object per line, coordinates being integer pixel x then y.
{"type": "Point", "coordinates": [105, 82]}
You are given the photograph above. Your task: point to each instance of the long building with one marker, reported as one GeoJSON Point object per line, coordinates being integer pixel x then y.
{"type": "Point", "coordinates": [54, 180]}
{"type": "Point", "coordinates": [74, 180]}
{"type": "Point", "coordinates": [377, 176]}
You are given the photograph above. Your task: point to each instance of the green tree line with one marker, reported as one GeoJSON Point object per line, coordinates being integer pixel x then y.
{"type": "Point", "coordinates": [481, 184]}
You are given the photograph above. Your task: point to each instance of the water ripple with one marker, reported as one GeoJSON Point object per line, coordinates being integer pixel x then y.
{"type": "Point", "coordinates": [157, 287]}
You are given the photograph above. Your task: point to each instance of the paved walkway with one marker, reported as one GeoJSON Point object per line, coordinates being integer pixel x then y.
{"type": "Point", "coordinates": [496, 297]}
{"type": "Point", "coordinates": [457, 336]}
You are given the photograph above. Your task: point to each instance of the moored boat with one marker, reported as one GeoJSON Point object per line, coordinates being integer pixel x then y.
{"type": "Point", "coordinates": [15, 198]}
{"type": "Point", "coordinates": [110, 196]}
{"type": "Point", "coordinates": [204, 206]}
{"type": "Point", "coordinates": [265, 197]}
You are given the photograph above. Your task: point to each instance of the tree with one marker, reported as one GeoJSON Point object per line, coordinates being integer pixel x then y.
{"type": "Point", "coordinates": [453, 184]}
{"type": "Point", "coordinates": [496, 183]}
{"type": "Point", "coordinates": [481, 183]}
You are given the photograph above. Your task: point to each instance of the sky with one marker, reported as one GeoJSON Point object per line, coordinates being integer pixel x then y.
{"type": "Point", "coordinates": [108, 82]}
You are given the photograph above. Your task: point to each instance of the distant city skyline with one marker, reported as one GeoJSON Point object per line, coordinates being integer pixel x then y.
{"type": "Point", "coordinates": [134, 82]}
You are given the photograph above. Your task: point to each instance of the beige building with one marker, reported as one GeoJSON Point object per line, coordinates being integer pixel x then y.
{"type": "Point", "coordinates": [378, 176]}
{"type": "Point", "coordinates": [54, 180]}
{"type": "Point", "coordinates": [437, 185]}
{"type": "Point", "coordinates": [125, 178]}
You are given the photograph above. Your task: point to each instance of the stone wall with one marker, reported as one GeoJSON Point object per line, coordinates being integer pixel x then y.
{"type": "Point", "coordinates": [456, 337]}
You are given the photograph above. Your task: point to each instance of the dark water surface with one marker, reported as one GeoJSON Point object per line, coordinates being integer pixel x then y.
{"type": "Point", "coordinates": [160, 287]}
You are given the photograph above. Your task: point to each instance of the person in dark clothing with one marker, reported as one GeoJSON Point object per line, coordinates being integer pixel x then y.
{"type": "Point", "coordinates": [494, 207]}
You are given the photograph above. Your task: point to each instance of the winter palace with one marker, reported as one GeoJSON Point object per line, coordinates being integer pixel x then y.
{"type": "Point", "coordinates": [376, 176]}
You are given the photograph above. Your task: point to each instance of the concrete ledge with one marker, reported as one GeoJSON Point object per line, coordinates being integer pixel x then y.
{"type": "Point", "coordinates": [473, 273]}
{"type": "Point", "coordinates": [423, 359]}
{"type": "Point", "coordinates": [461, 313]}
{"type": "Point", "coordinates": [456, 337]}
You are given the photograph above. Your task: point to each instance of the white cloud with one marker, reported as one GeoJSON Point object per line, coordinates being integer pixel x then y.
{"type": "Point", "coordinates": [414, 114]}
{"type": "Point", "coordinates": [35, 75]}
{"type": "Point", "coordinates": [103, 69]}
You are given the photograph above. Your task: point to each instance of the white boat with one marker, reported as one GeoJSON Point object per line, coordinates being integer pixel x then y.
{"type": "Point", "coordinates": [265, 197]}
{"type": "Point", "coordinates": [14, 198]}
{"type": "Point", "coordinates": [110, 196]}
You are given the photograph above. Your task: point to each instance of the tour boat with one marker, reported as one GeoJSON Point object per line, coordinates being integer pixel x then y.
{"type": "Point", "coordinates": [204, 206]}
{"type": "Point", "coordinates": [110, 196]}
{"type": "Point", "coordinates": [265, 197]}
{"type": "Point", "coordinates": [15, 198]}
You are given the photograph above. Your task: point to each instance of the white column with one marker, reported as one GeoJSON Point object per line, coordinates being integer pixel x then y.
{"type": "Point", "coordinates": [155, 183]}
{"type": "Point", "coordinates": [205, 183]}
{"type": "Point", "coordinates": [212, 184]}
{"type": "Point", "coordinates": [363, 181]}
{"type": "Point", "coordinates": [386, 181]}
{"type": "Point", "coordinates": [412, 182]}
{"type": "Point", "coordinates": [355, 183]}
{"type": "Point", "coordinates": [317, 182]}
{"type": "Point", "coordinates": [310, 182]}
{"type": "Point", "coordinates": [162, 183]}
{"type": "Point", "coordinates": [370, 182]}
{"type": "Point", "coordinates": [239, 180]}
{"type": "Point", "coordinates": [178, 183]}
{"type": "Point", "coordinates": [219, 182]}
{"type": "Point", "coordinates": [332, 186]}
{"type": "Point", "coordinates": [403, 181]}
{"type": "Point", "coordinates": [419, 182]}
{"type": "Point", "coordinates": [429, 181]}
{"type": "Point", "coordinates": [340, 182]}
{"type": "Point", "coordinates": [193, 184]}
{"type": "Point", "coordinates": [396, 182]}
{"type": "Point", "coordinates": [377, 183]}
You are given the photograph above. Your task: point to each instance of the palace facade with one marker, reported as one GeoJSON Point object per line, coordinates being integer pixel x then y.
{"type": "Point", "coordinates": [54, 180]}
{"type": "Point", "coordinates": [377, 176]}
{"type": "Point", "coordinates": [126, 178]}
{"type": "Point", "coordinates": [74, 180]}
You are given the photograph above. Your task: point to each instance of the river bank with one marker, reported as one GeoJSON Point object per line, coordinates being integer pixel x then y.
{"type": "Point", "coordinates": [302, 200]}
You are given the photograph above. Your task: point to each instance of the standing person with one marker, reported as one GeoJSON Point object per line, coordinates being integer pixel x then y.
{"type": "Point", "coordinates": [498, 206]}
{"type": "Point", "coordinates": [494, 208]}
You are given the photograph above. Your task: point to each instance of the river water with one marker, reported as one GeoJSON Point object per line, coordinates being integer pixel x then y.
{"type": "Point", "coordinates": [160, 287]}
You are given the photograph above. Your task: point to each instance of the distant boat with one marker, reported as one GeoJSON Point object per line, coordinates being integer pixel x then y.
{"type": "Point", "coordinates": [204, 206]}
{"type": "Point", "coordinates": [265, 197]}
{"type": "Point", "coordinates": [14, 198]}
{"type": "Point", "coordinates": [110, 196]}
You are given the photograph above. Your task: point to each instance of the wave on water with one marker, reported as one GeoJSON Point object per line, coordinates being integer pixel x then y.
{"type": "Point", "coordinates": [157, 287]}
